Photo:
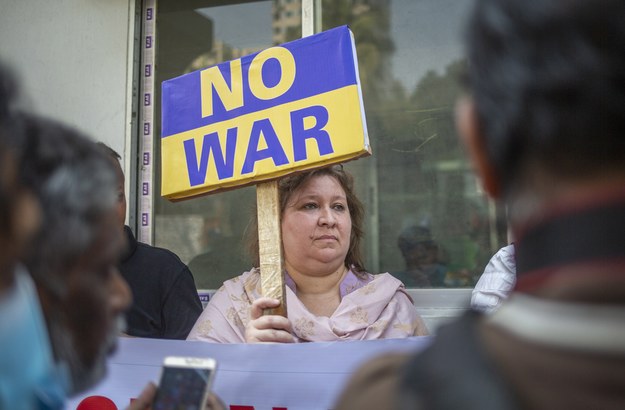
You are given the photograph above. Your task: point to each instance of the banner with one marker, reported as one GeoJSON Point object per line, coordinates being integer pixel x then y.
{"type": "Point", "coordinates": [292, 107]}
{"type": "Point", "coordinates": [303, 376]}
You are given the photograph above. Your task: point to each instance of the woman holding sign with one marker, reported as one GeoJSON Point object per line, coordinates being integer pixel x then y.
{"type": "Point", "coordinates": [329, 294]}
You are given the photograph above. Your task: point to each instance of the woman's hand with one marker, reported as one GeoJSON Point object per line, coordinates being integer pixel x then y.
{"type": "Point", "coordinates": [270, 328]}
{"type": "Point", "coordinates": [214, 403]}
{"type": "Point", "coordinates": [145, 399]}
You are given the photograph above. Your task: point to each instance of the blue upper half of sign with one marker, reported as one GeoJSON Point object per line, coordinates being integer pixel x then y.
{"type": "Point", "coordinates": [181, 96]}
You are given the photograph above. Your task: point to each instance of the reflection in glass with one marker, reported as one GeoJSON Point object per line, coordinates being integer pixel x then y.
{"type": "Point", "coordinates": [433, 227]}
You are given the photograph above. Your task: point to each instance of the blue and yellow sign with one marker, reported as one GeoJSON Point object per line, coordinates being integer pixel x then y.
{"type": "Point", "coordinates": [287, 108]}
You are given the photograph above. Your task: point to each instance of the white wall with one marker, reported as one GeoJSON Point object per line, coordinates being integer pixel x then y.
{"type": "Point", "coordinates": [74, 59]}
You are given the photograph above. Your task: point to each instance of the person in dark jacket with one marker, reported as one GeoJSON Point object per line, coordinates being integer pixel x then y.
{"type": "Point", "coordinates": [544, 126]}
{"type": "Point", "coordinates": [165, 300]}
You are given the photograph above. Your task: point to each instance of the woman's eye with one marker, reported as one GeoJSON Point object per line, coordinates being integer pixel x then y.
{"type": "Point", "coordinates": [339, 207]}
{"type": "Point", "coordinates": [310, 205]}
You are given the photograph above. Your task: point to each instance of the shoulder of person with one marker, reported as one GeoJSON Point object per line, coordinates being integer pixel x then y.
{"type": "Point", "coordinates": [375, 384]}
{"type": "Point", "coordinates": [159, 255]}
{"type": "Point", "coordinates": [386, 277]}
{"type": "Point", "coordinates": [248, 281]}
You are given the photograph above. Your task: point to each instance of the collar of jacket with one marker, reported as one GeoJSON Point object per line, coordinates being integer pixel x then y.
{"type": "Point", "coordinates": [131, 244]}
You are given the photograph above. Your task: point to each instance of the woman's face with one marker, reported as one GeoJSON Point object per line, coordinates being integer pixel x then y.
{"type": "Point", "coordinates": [316, 227]}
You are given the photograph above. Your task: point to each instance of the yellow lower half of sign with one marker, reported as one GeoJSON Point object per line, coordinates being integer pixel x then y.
{"type": "Point", "coordinates": [324, 129]}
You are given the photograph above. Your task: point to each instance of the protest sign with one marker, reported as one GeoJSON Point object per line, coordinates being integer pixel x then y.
{"type": "Point", "coordinates": [287, 108]}
{"type": "Point", "coordinates": [302, 376]}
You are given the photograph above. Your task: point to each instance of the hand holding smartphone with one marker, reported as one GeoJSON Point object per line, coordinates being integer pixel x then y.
{"type": "Point", "coordinates": [185, 383]}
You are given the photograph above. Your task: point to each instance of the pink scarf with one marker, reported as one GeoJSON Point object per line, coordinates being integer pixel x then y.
{"type": "Point", "coordinates": [373, 308]}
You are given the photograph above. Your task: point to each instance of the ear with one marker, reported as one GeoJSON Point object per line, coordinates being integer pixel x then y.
{"type": "Point", "coordinates": [469, 129]}
{"type": "Point", "coordinates": [26, 218]}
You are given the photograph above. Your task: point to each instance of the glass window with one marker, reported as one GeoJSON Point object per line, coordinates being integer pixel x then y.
{"type": "Point", "coordinates": [427, 221]}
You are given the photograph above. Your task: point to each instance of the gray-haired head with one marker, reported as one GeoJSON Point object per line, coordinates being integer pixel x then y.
{"type": "Point", "coordinates": [73, 257]}
{"type": "Point", "coordinates": [75, 183]}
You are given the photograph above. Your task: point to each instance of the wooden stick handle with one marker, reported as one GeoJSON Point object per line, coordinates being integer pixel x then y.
{"type": "Point", "coordinates": [270, 245]}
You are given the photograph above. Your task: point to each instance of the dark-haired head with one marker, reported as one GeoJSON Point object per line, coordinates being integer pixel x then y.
{"type": "Point", "coordinates": [7, 150]}
{"type": "Point", "coordinates": [547, 78]}
{"type": "Point", "coordinates": [115, 159]}
{"type": "Point", "coordinates": [19, 212]}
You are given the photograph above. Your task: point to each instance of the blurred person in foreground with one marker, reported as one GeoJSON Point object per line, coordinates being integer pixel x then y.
{"type": "Point", "coordinates": [544, 124]}
{"type": "Point", "coordinates": [165, 302]}
{"type": "Point", "coordinates": [330, 296]}
{"type": "Point", "coordinates": [72, 258]}
{"type": "Point", "coordinates": [28, 377]}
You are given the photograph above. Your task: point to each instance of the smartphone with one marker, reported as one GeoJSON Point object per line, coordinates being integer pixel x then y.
{"type": "Point", "coordinates": [185, 383]}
